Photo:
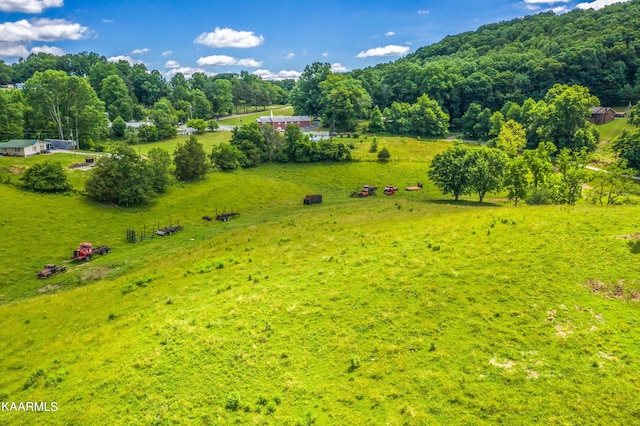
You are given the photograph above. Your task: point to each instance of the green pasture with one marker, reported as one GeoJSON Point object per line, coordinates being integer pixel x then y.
{"type": "Point", "coordinates": [405, 309]}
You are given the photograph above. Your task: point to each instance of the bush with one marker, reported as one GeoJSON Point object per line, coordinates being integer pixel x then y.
{"type": "Point", "coordinates": [540, 196]}
{"type": "Point", "coordinates": [233, 403]}
{"type": "Point", "coordinates": [384, 155]}
{"type": "Point", "coordinates": [374, 145]}
{"type": "Point", "coordinates": [46, 177]}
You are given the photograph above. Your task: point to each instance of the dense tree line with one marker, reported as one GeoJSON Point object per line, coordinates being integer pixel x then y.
{"type": "Point", "coordinates": [252, 144]}
{"type": "Point", "coordinates": [464, 169]}
{"type": "Point", "coordinates": [92, 86]}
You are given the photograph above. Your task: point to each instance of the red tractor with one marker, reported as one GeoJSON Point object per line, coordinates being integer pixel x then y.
{"type": "Point", "coordinates": [366, 191]}
{"type": "Point", "coordinates": [390, 190]}
{"type": "Point", "coordinates": [86, 251]}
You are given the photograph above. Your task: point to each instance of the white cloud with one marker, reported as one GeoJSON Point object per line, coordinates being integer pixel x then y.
{"type": "Point", "coordinates": [598, 4]}
{"type": "Point", "coordinates": [548, 2]}
{"type": "Point", "coordinates": [226, 61]}
{"type": "Point", "coordinates": [325, 54]}
{"type": "Point", "coordinates": [18, 36]}
{"type": "Point", "coordinates": [28, 6]}
{"type": "Point", "coordinates": [13, 50]}
{"type": "Point", "coordinates": [249, 62]}
{"type": "Point", "coordinates": [423, 12]}
{"type": "Point", "coordinates": [42, 30]}
{"type": "Point", "coordinates": [108, 21]}
{"type": "Point", "coordinates": [226, 37]}
{"type": "Point", "coordinates": [389, 33]}
{"type": "Point", "coordinates": [390, 50]}
{"type": "Point", "coordinates": [290, 55]}
{"type": "Point", "coordinates": [52, 50]}
{"type": "Point", "coordinates": [282, 75]}
{"type": "Point", "coordinates": [172, 64]}
{"type": "Point", "coordinates": [139, 51]}
{"type": "Point", "coordinates": [126, 58]}
{"type": "Point", "coordinates": [167, 53]}
{"type": "Point", "coordinates": [337, 67]}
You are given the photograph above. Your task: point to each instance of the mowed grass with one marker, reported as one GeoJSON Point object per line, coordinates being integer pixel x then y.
{"type": "Point", "coordinates": [410, 309]}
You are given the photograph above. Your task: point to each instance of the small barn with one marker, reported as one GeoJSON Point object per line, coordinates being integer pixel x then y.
{"type": "Point", "coordinates": [23, 147]}
{"type": "Point", "coordinates": [280, 122]}
{"type": "Point", "coordinates": [312, 199]}
{"type": "Point", "coordinates": [602, 115]}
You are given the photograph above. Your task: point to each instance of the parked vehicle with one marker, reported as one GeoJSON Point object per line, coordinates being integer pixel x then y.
{"type": "Point", "coordinates": [86, 251]}
{"type": "Point", "coordinates": [51, 269]}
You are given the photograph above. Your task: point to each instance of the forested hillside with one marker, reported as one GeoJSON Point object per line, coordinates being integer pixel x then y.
{"type": "Point", "coordinates": [518, 59]}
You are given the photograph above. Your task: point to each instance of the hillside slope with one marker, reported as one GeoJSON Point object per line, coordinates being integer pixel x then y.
{"type": "Point", "coordinates": [386, 310]}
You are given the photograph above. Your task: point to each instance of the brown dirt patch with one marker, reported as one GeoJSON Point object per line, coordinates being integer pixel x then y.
{"type": "Point", "coordinates": [49, 287]}
{"type": "Point", "coordinates": [630, 237]}
{"type": "Point", "coordinates": [16, 169]}
{"type": "Point", "coordinates": [619, 290]}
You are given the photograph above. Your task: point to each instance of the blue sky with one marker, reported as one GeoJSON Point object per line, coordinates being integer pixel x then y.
{"type": "Point", "coordinates": [275, 39]}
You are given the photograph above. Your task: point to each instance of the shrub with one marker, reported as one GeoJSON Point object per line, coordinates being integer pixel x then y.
{"type": "Point", "coordinates": [46, 177]}
{"type": "Point", "coordinates": [233, 402]}
{"type": "Point", "coordinates": [540, 196]}
{"type": "Point", "coordinates": [384, 155]}
{"type": "Point", "coordinates": [374, 145]}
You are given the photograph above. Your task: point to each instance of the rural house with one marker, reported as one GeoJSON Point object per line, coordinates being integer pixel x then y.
{"type": "Point", "coordinates": [602, 115]}
{"type": "Point", "coordinates": [23, 147]}
{"type": "Point", "coordinates": [280, 122]}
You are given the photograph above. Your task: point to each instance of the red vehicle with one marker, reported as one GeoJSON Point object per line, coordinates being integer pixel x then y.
{"type": "Point", "coordinates": [367, 190]}
{"type": "Point", "coordinates": [390, 190]}
{"type": "Point", "coordinates": [86, 251]}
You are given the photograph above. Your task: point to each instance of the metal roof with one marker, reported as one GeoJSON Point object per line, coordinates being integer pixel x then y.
{"type": "Point", "coordinates": [18, 143]}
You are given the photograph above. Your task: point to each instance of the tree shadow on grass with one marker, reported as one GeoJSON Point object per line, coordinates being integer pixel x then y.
{"type": "Point", "coordinates": [465, 203]}
{"type": "Point", "coordinates": [634, 246]}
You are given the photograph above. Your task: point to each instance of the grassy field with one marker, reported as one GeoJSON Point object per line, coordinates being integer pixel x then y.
{"type": "Point", "coordinates": [408, 309]}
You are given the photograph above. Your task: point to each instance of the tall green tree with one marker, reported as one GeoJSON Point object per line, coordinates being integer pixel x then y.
{"type": "Point", "coordinates": [116, 97]}
{"type": "Point", "coordinates": [68, 103]}
{"type": "Point", "coordinates": [159, 166]}
{"type": "Point", "coordinates": [539, 163]}
{"type": "Point", "coordinates": [449, 171]}
{"type": "Point", "coordinates": [190, 160]}
{"type": "Point", "coordinates": [627, 147]}
{"type": "Point", "coordinates": [306, 94]}
{"type": "Point", "coordinates": [512, 138]}
{"type": "Point", "coordinates": [517, 180]}
{"type": "Point", "coordinates": [486, 168]}
{"type": "Point", "coordinates": [343, 100]}
{"type": "Point", "coordinates": [567, 117]}
{"type": "Point", "coordinates": [376, 124]}
{"type": "Point", "coordinates": [12, 114]}
{"type": "Point", "coordinates": [121, 178]}
{"type": "Point", "coordinates": [571, 167]}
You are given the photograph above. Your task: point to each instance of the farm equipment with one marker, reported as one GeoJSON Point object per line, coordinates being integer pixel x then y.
{"type": "Point", "coordinates": [86, 251]}
{"type": "Point", "coordinates": [170, 230]}
{"type": "Point", "coordinates": [366, 191]}
{"type": "Point", "coordinates": [226, 217]}
{"type": "Point", "coordinates": [51, 269]}
{"type": "Point", "coordinates": [390, 190]}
